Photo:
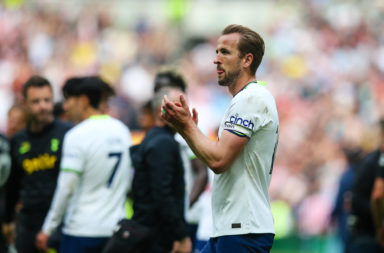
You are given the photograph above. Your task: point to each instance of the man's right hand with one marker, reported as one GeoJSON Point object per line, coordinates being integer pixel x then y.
{"type": "Point", "coordinates": [182, 246]}
{"type": "Point", "coordinates": [8, 230]}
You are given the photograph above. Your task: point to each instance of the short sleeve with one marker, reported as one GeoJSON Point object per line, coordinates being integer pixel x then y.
{"type": "Point", "coordinates": [72, 155]}
{"type": "Point", "coordinates": [245, 116]}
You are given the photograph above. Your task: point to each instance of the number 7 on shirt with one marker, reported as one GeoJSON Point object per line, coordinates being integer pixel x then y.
{"type": "Point", "coordinates": [118, 156]}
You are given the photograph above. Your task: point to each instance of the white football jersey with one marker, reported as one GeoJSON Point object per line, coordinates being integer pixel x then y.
{"type": "Point", "coordinates": [240, 200]}
{"type": "Point", "coordinates": [98, 150]}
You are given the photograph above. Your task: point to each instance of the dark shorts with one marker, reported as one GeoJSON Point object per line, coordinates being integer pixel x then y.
{"type": "Point", "coordinates": [71, 244]}
{"type": "Point", "coordinates": [248, 243]}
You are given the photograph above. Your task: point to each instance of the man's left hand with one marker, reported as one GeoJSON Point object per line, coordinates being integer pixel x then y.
{"type": "Point", "coordinates": [41, 240]}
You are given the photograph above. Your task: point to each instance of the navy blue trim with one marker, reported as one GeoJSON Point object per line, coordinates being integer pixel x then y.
{"type": "Point", "coordinates": [237, 133]}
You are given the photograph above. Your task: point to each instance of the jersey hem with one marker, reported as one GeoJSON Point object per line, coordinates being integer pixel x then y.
{"type": "Point", "coordinates": [243, 232]}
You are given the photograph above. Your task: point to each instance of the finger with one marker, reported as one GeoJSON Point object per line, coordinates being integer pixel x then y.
{"type": "Point", "coordinates": [183, 102]}
{"type": "Point", "coordinates": [168, 105]}
{"type": "Point", "coordinates": [195, 116]}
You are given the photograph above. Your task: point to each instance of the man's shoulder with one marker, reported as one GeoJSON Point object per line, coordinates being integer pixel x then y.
{"type": "Point", "coordinates": [157, 137]}
{"type": "Point", "coordinates": [253, 94]}
{"type": "Point", "coordinates": [20, 136]}
{"type": "Point", "coordinates": [367, 165]}
{"type": "Point", "coordinates": [63, 124]}
{"type": "Point", "coordinates": [61, 127]}
{"type": "Point", "coordinates": [4, 143]}
{"type": "Point", "coordinates": [371, 157]}
{"type": "Point", "coordinates": [77, 131]}
{"type": "Point", "coordinates": [3, 138]}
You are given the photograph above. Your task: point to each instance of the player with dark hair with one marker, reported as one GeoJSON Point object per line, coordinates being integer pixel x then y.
{"type": "Point", "coordinates": [36, 155]}
{"type": "Point", "coordinates": [94, 173]}
{"type": "Point", "coordinates": [242, 157]}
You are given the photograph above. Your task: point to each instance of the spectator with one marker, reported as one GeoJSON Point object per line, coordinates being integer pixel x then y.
{"type": "Point", "coordinates": [342, 207]}
{"type": "Point", "coordinates": [363, 234]}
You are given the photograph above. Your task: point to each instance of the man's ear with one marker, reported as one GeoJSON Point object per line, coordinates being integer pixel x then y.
{"type": "Point", "coordinates": [248, 59]}
{"type": "Point", "coordinates": [84, 100]}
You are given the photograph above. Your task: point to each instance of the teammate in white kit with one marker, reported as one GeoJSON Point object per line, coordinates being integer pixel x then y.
{"type": "Point", "coordinates": [242, 158]}
{"type": "Point", "coordinates": [95, 173]}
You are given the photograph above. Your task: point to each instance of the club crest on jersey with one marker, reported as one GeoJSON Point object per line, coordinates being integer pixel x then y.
{"type": "Point", "coordinates": [24, 147]}
{"type": "Point", "coordinates": [55, 144]}
{"type": "Point", "coordinates": [236, 120]}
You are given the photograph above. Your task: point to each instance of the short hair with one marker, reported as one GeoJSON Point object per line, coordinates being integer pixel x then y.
{"type": "Point", "coordinates": [169, 76]}
{"type": "Point", "coordinates": [250, 42]}
{"type": "Point", "coordinates": [92, 87]}
{"type": "Point", "coordinates": [58, 109]}
{"type": "Point", "coordinates": [106, 89]}
{"type": "Point", "coordinates": [35, 81]}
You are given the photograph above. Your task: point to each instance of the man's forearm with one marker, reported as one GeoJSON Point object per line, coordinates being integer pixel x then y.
{"type": "Point", "coordinates": [204, 148]}
{"type": "Point", "coordinates": [66, 184]}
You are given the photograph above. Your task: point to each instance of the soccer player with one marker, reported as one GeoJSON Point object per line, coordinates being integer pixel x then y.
{"type": "Point", "coordinates": [94, 173]}
{"type": "Point", "coordinates": [36, 154]}
{"type": "Point", "coordinates": [242, 157]}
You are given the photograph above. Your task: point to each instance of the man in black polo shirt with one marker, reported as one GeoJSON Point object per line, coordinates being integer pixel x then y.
{"type": "Point", "coordinates": [35, 154]}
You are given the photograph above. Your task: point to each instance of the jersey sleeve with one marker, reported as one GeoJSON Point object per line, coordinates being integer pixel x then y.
{"type": "Point", "coordinates": [246, 115]}
{"type": "Point", "coordinates": [72, 159]}
{"type": "Point", "coordinates": [5, 160]}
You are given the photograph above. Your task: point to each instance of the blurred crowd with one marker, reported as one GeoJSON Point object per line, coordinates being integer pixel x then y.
{"type": "Point", "coordinates": [324, 64]}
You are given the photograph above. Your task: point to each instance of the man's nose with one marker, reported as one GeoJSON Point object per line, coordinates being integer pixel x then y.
{"type": "Point", "coordinates": [216, 60]}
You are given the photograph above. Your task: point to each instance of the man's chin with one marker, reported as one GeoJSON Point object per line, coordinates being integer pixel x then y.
{"type": "Point", "coordinates": [223, 83]}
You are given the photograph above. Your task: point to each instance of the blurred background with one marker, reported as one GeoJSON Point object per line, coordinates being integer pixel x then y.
{"type": "Point", "coordinates": [324, 64]}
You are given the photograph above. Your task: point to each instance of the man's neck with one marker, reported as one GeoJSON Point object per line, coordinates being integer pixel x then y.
{"type": "Point", "coordinates": [37, 127]}
{"type": "Point", "coordinates": [241, 82]}
{"type": "Point", "coordinates": [90, 112]}
{"type": "Point", "coordinates": [159, 122]}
